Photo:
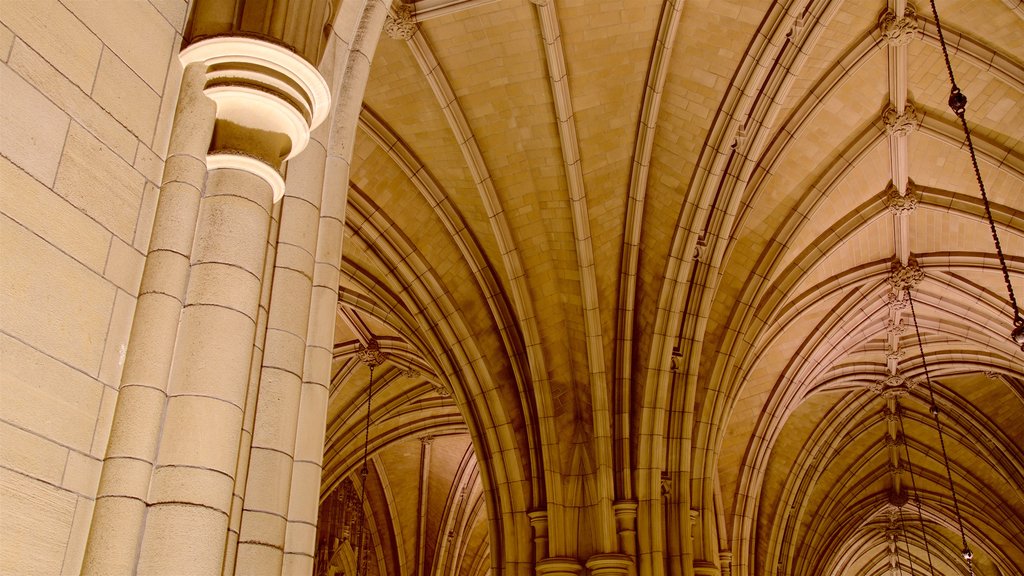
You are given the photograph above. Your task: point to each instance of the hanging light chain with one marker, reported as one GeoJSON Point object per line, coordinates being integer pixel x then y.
{"type": "Point", "coordinates": [363, 471]}
{"type": "Point", "coordinates": [958, 103]}
{"type": "Point", "coordinates": [934, 409]}
{"type": "Point", "coordinates": [372, 356]}
{"type": "Point", "coordinates": [917, 494]}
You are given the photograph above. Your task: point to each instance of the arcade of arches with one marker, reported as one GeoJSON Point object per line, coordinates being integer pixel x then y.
{"type": "Point", "coordinates": [510, 287]}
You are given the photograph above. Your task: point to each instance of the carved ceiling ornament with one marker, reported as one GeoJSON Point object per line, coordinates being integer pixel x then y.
{"type": "Point", "coordinates": [904, 277]}
{"type": "Point", "coordinates": [894, 327]}
{"type": "Point", "coordinates": [901, 124]}
{"type": "Point", "coordinates": [400, 26]}
{"type": "Point", "coordinates": [891, 415]}
{"type": "Point", "coordinates": [893, 441]}
{"type": "Point", "coordinates": [899, 31]}
{"type": "Point", "coordinates": [441, 389]}
{"type": "Point", "coordinates": [895, 354]}
{"type": "Point", "coordinates": [893, 386]}
{"type": "Point", "coordinates": [371, 354]}
{"type": "Point", "coordinates": [898, 203]}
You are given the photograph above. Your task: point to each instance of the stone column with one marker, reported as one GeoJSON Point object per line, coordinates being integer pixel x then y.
{"type": "Point", "coordinates": [251, 394]}
{"type": "Point", "coordinates": [264, 516]}
{"type": "Point", "coordinates": [135, 432]}
{"type": "Point", "coordinates": [725, 562]}
{"type": "Point", "coordinates": [625, 524]}
{"type": "Point", "coordinates": [539, 523]}
{"type": "Point", "coordinates": [193, 480]}
{"type": "Point", "coordinates": [268, 99]}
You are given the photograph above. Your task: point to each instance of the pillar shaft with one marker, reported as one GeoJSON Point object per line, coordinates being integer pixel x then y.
{"type": "Point", "coordinates": [249, 415]}
{"type": "Point", "coordinates": [124, 484]}
{"type": "Point", "coordinates": [194, 476]}
{"type": "Point", "coordinates": [271, 459]}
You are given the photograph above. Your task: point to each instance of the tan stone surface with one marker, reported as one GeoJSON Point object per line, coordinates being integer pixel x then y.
{"type": "Point", "coordinates": [70, 325]}
{"type": "Point", "coordinates": [54, 32]}
{"type": "Point", "coordinates": [32, 129]}
{"type": "Point", "coordinates": [99, 183]}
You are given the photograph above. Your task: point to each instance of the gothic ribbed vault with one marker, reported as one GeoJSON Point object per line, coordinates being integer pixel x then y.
{"type": "Point", "coordinates": [658, 253]}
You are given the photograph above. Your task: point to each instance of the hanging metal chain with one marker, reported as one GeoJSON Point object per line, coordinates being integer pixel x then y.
{"type": "Point", "coordinates": [958, 103]}
{"type": "Point", "coordinates": [934, 409]}
{"type": "Point", "coordinates": [360, 563]}
{"type": "Point", "coordinates": [917, 495]}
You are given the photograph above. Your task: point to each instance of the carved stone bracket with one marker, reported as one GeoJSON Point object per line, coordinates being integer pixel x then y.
{"type": "Point", "coordinates": [441, 389]}
{"type": "Point", "coordinates": [901, 124]}
{"type": "Point", "coordinates": [898, 31]}
{"type": "Point", "coordinates": [400, 26]}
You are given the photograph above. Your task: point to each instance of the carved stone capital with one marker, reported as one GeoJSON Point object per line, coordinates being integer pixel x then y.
{"type": "Point", "coordinates": [400, 26]}
{"type": "Point", "coordinates": [268, 97]}
{"type": "Point", "coordinates": [901, 123]}
{"type": "Point", "coordinates": [898, 31]}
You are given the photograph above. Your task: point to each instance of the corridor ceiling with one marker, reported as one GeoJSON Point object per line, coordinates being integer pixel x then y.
{"type": "Point", "coordinates": [574, 212]}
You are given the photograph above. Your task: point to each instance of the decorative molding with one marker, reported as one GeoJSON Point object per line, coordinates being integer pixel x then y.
{"type": "Point", "coordinates": [901, 124]}
{"type": "Point", "coordinates": [260, 87]}
{"type": "Point", "coordinates": [371, 354]}
{"type": "Point", "coordinates": [796, 32]}
{"type": "Point", "coordinates": [893, 441]}
{"type": "Point", "coordinates": [891, 415]}
{"type": "Point", "coordinates": [411, 373]}
{"type": "Point", "coordinates": [895, 354]}
{"type": "Point", "coordinates": [904, 277]}
{"type": "Point", "coordinates": [893, 386]}
{"type": "Point", "coordinates": [441, 389]}
{"type": "Point", "coordinates": [239, 160]}
{"type": "Point", "coordinates": [895, 301]}
{"type": "Point", "coordinates": [899, 203]}
{"type": "Point", "coordinates": [401, 26]}
{"type": "Point", "coordinates": [899, 31]}
{"type": "Point", "coordinates": [894, 327]}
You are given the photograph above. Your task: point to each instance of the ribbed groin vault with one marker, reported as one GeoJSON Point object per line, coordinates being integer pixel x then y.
{"type": "Point", "coordinates": [512, 287]}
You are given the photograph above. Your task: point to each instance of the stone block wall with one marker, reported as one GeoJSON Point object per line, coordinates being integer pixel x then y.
{"type": "Point", "coordinates": [87, 88]}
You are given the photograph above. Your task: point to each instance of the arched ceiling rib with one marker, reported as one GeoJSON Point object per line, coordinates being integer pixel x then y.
{"type": "Point", "coordinates": [553, 198]}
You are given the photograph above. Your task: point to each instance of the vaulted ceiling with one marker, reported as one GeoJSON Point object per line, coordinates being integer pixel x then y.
{"type": "Point", "coordinates": [574, 212]}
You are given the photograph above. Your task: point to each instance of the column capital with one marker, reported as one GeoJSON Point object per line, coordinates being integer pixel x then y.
{"type": "Point", "coordinates": [237, 160]}
{"type": "Point", "coordinates": [558, 567]}
{"type": "Point", "coordinates": [609, 565]}
{"type": "Point", "coordinates": [268, 98]}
